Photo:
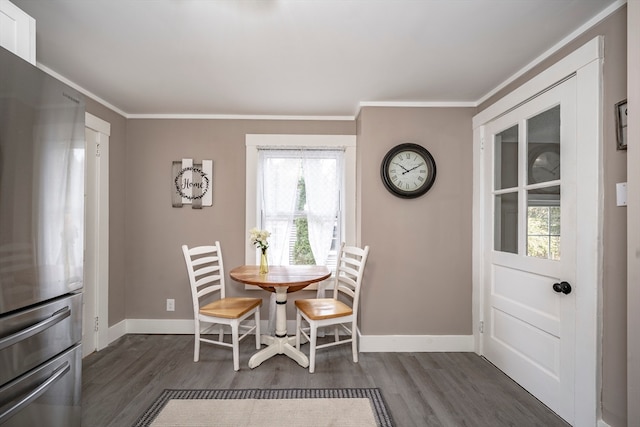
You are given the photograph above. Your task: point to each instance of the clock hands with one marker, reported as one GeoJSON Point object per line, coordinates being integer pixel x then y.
{"type": "Point", "coordinates": [401, 167]}
{"type": "Point", "coordinates": [551, 171]}
{"type": "Point", "coordinates": [405, 169]}
{"type": "Point", "coordinates": [415, 167]}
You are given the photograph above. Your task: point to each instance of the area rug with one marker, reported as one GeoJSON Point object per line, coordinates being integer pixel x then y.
{"type": "Point", "coordinates": [342, 407]}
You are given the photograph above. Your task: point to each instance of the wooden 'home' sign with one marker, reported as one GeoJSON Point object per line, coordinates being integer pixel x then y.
{"type": "Point", "coordinates": [192, 183]}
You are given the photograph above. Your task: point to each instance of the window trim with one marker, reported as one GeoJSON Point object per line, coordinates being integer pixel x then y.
{"type": "Point", "coordinates": [254, 141]}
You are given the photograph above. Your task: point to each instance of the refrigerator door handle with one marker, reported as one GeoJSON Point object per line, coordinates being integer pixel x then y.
{"type": "Point", "coordinates": [56, 317]}
{"type": "Point", "coordinates": [37, 392]}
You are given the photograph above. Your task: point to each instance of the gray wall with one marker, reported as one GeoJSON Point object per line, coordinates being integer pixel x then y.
{"type": "Point", "coordinates": [427, 241]}
{"type": "Point", "coordinates": [418, 278]}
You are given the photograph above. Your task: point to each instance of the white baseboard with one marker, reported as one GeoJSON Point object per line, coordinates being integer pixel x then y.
{"type": "Point", "coordinates": [415, 343]}
{"type": "Point", "coordinates": [602, 424]}
{"type": "Point", "coordinates": [368, 343]}
{"type": "Point", "coordinates": [150, 326]}
{"type": "Point", "coordinates": [160, 326]}
{"type": "Point", "coordinates": [116, 331]}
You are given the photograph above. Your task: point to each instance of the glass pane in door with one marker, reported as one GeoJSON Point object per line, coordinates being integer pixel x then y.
{"type": "Point", "coordinates": [506, 158]}
{"type": "Point", "coordinates": [543, 223]}
{"type": "Point", "coordinates": [543, 147]}
{"type": "Point", "coordinates": [506, 223]}
{"type": "Point", "coordinates": [543, 171]}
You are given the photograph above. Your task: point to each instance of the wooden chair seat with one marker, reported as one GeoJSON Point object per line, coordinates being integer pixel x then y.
{"type": "Point", "coordinates": [323, 308]}
{"type": "Point", "coordinates": [230, 308]}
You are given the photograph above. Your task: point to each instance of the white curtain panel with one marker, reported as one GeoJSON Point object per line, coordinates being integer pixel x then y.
{"type": "Point", "coordinates": [280, 176]}
{"type": "Point", "coordinates": [321, 178]}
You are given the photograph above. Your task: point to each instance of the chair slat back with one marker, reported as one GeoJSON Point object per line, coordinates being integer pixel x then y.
{"type": "Point", "coordinates": [205, 270]}
{"type": "Point", "coordinates": [349, 272]}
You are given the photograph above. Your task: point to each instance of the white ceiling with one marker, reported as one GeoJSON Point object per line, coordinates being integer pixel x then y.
{"type": "Point", "coordinates": [297, 57]}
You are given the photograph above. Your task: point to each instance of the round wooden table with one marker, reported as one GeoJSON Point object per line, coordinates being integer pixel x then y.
{"type": "Point", "coordinates": [281, 280]}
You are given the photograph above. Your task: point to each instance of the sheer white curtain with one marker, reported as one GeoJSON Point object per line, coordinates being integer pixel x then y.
{"type": "Point", "coordinates": [279, 181]}
{"type": "Point", "coordinates": [323, 182]}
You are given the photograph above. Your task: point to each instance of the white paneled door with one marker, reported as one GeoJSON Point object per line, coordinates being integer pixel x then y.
{"type": "Point", "coordinates": [530, 245]}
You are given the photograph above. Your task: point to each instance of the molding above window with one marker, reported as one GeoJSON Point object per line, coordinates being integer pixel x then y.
{"type": "Point", "coordinates": [280, 140]}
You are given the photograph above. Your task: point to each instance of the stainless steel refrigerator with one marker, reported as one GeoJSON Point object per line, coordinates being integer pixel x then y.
{"type": "Point", "coordinates": [42, 150]}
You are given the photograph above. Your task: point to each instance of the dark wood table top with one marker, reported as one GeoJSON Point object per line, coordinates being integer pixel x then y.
{"type": "Point", "coordinates": [294, 277]}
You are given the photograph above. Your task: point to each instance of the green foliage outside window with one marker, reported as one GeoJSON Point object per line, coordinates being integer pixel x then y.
{"type": "Point", "coordinates": [543, 232]}
{"type": "Point", "coordinates": [302, 250]}
{"type": "Point", "coordinates": [302, 253]}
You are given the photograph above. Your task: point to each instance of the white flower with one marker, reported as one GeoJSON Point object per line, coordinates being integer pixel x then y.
{"type": "Point", "coordinates": [259, 238]}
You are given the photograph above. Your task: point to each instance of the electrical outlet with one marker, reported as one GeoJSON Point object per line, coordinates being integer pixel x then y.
{"type": "Point", "coordinates": [171, 305]}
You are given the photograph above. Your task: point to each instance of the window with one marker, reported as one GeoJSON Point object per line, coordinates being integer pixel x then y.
{"type": "Point", "coordinates": [299, 196]}
{"type": "Point", "coordinates": [302, 189]}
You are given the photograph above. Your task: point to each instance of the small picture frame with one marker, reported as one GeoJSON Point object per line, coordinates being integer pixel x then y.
{"type": "Point", "coordinates": [621, 124]}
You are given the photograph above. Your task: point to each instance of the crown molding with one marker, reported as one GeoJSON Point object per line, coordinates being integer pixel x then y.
{"type": "Point", "coordinates": [236, 117]}
{"type": "Point", "coordinates": [419, 104]}
{"type": "Point", "coordinates": [81, 89]}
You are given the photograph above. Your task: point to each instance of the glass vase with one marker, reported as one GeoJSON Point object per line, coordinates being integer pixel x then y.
{"type": "Point", "coordinates": [264, 265]}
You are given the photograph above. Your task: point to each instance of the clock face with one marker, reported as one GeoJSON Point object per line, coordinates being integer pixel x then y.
{"type": "Point", "coordinates": [545, 166]}
{"type": "Point", "coordinates": [408, 170]}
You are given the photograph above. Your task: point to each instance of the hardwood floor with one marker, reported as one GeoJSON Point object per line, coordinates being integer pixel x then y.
{"type": "Point", "coordinates": [420, 389]}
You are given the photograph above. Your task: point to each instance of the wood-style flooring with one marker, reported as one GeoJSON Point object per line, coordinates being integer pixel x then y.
{"type": "Point", "coordinates": [420, 389]}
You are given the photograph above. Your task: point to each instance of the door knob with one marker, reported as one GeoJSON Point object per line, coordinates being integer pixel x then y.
{"type": "Point", "coordinates": [563, 287]}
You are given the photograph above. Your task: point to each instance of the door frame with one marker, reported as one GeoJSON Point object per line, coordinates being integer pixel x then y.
{"type": "Point", "coordinates": [99, 249]}
{"type": "Point", "coordinates": [586, 64]}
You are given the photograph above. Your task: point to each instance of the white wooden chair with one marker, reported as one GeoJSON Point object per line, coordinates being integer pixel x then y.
{"type": "Point", "coordinates": [340, 311]}
{"type": "Point", "coordinates": [206, 276]}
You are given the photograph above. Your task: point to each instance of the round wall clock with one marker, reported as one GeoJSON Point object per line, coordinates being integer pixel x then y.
{"type": "Point", "coordinates": [408, 170]}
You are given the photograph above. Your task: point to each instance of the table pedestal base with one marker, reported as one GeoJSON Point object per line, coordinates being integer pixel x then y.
{"type": "Point", "coordinates": [281, 343]}
{"type": "Point", "coordinates": [284, 345]}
